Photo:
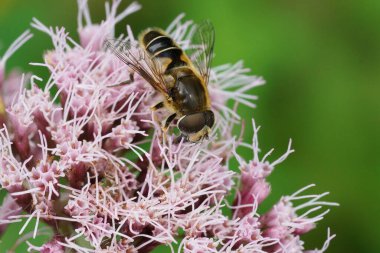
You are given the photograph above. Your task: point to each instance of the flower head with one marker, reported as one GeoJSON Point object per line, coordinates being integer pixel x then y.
{"type": "Point", "coordinates": [91, 162]}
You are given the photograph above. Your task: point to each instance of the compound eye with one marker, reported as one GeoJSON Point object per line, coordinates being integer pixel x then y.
{"type": "Point", "coordinates": [192, 123]}
{"type": "Point", "coordinates": [209, 117]}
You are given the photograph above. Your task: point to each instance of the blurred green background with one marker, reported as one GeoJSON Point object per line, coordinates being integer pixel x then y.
{"type": "Point", "coordinates": [321, 61]}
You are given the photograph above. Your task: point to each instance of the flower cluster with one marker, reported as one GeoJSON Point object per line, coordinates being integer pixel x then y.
{"type": "Point", "coordinates": [84, 156]}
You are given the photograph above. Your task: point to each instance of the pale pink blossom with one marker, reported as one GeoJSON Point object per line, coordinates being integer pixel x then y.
{"type": "Point", "coordinates": [90, 162]}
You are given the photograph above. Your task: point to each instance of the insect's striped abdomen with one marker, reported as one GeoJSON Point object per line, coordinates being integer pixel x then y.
{"type": "Point", "coordinates": [160, 46]}
{"type": "Point", "coordinates": [187, 90]}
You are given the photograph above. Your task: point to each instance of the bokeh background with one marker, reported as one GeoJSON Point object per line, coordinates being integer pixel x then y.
{"type": "Point", "coordinates": [321, 61]}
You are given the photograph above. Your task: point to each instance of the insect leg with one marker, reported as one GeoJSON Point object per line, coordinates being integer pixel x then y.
{"type": "Point", "coordinates": [168, 121]}
{"type": "Point", "coordinates": [167, 124]}
{"type": "Point", "coordinates": [157, 106]}
{"type": "Point", "coordinates": [179, 138]}
{"type": "Point", "coordinates": [131, 80]}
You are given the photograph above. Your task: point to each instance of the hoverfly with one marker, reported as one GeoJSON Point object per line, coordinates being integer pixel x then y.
{"type": "Point", "coordinates": [181, 78]}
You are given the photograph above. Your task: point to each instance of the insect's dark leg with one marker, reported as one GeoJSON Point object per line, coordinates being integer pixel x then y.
{"type": "Point", "coordinates": [132, 77]}
{"type": "Point", "coordinates": [168, 121]}
{"type": "Point", "coordinates": [131, 80]}
{"type": "Point", "coordinates": [167, 124]}
{"type": "Point", "coordinates": [178, 139]}
{"type": "Point", "coordinates": [157, 106]}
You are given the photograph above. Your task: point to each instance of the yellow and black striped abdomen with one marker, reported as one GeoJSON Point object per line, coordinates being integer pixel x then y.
{"type": "Point", "coordinates": [161, 47]}
{"type": "Point", "coordinates": [188, 91]}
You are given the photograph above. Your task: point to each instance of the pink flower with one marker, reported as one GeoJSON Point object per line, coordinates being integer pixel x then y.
{"type": "Point", "coordinates": [90, 162]}
{"type": "Point", "coordinates": [254, 187]}
{"type": "Point", "coordinates": [200, 245]}
{"type": "Point", "coordinates": [283, 223]}
{"type": "Point", "coordinates": [11, 85]}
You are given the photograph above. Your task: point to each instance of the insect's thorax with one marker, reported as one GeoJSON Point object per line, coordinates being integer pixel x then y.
{"type": "Point", "coordinates": [187, 90]}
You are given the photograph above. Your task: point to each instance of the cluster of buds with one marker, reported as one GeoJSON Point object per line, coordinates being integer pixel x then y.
{"type": "Point", "coordinates": [83, 156]}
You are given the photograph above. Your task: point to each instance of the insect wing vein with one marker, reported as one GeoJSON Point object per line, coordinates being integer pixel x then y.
{"type": "Point", "coordinates": [138, 61]}
{"type": "Point", "coordinates": [201, 53]}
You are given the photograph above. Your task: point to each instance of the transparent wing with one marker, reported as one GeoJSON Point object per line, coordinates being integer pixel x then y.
{"type": "Point", "coordinates": [202, 48]}
{"type": "Point", "coordinates": [138, 61]}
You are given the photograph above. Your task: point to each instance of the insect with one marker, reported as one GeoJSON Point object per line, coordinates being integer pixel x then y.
{"type": "Point", "coordinates": [181, 78]}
